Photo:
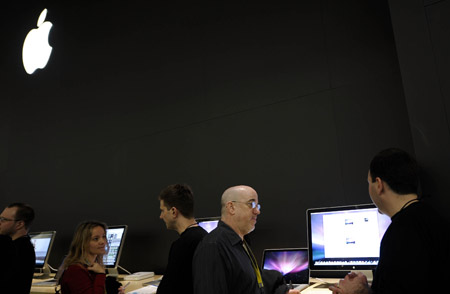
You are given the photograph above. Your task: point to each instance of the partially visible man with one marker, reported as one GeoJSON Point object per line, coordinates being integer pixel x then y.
{"type": "Point", "coordinates": [415, 248]}
{"type": "Point", "coordinates": [6, 263]}
{"type": "Point", "coordinates": [15, 221]}
{"type": "Point", "coordinates": [177, 212]}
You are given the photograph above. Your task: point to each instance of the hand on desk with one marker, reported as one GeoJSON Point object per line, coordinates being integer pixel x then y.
{"type": "Point", "coordinates": [352, 284]}
{"type": "Point", "coordinates": [293, 291]}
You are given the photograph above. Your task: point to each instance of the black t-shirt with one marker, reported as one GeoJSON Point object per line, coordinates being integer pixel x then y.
{"type": "Point", "coordinates": [414, 252]}
{"type": "Point", "coordinates": [178, 275]}
{"type": "Point", "coordinates": [24, 263]}
{"type": "Point", "coordinates": [7, 254]}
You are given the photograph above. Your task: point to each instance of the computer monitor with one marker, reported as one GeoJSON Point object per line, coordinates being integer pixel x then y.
{"type": "Point", "coordinates": [292, 263]}
{"type": "Point", "coordinates": [208, 223]}
{"type": "Point", "coordinates": [116, 237]}
{"type": "Point", "coordinates": [344, 238]}
{"type": "Point", "coordinates": [42, 242]}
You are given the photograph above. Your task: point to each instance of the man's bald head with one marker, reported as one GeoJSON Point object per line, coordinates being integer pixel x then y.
{"type": "Point", "coordinates": [236, 193]}
{"type": "Point", "coordinates": [240, 209]}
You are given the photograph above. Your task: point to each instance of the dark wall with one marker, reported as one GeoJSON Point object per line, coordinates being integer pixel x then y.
{"type": "Point", "coordinates": [422, 34]}
{"type": "Point", "coordinates": [292, 99]}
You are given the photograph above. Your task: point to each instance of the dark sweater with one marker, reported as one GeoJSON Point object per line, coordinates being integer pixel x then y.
{"type": "Point", "coordinates": [24, 264]}
{"type": "Point", "coordinates": [178, 275]}
{"type": "Point", "coordinates": [414, 252]}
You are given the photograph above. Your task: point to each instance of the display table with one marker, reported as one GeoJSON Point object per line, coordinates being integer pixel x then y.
{"type": "Point", "coordinates": [133, 285]}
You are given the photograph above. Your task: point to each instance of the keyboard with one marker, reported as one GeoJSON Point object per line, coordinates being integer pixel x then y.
{"type": "Point", "coordinates": [46, 283]}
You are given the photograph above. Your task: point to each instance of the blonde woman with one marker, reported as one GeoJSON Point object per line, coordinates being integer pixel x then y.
{"type": "Point", "coordinates": [84, 272]}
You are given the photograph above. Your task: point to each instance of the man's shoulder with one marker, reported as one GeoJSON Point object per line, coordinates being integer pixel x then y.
{"type": "Point", "coordinates": [221, 235]}
{"type": "Point", "coordinates": [191, 236]}
{"type": "Point", "coordinates": [197, 232]}
{"type": "Point", "coordinates": [421, 212]}
{"type": "Point", "coordinates": [24, 243]}
{"type": "Point", "coordinates": [4, 239]}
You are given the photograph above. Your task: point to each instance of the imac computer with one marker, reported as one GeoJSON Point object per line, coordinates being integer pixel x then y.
{"type": "Point", "coordinates": [116, 237]}
{"type": "Point", "coordinates": [343, 239]}
{"type": "Point", "coordinates": [208, 223]}
{"type": "Point", "coordinates": [42, 242]}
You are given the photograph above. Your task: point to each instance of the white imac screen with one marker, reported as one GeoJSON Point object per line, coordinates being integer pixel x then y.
{"type": "Point", "coordinates": [41, 245]}
{"type": "Point", "coordinates": [352, 234]}
{"type": "Point", "coordinates": [347, 237]}
{"type": "Point", "coordinates": [114, 237]}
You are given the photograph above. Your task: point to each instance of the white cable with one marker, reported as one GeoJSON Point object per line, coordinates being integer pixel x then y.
{"type": "Point", "coordinates": [124, 269]}
{"type": "Point", "coordinates": [50, 267]}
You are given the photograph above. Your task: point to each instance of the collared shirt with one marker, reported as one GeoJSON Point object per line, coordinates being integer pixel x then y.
{"type": "Point", "coordinates": [221, 265]}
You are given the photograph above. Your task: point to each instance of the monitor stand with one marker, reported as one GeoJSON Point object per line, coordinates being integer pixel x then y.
{"type": "Point", "coordinates": [113, 272]}
{"type": "Point", "coordinates": [44, 274]}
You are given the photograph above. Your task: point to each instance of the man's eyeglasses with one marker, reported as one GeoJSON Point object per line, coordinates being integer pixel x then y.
{"type": "Point", "coordinates": [4, 219]}
{"type": "Point", "coordinates": [251, 205]}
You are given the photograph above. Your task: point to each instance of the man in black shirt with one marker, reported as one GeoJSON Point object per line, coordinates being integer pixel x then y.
{"type": "Point", "coordinates": [223, 262]}
{"type": "Point", "coordinates": [6, 263]}
{"type": "Point", "coordinates": [415, 250]}
{"type": "Point", "coordinates": [15, 221]}
{"type": "Point", "coordinates": [177, 211]}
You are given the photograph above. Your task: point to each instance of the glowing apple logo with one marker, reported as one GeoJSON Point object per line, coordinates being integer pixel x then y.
{"type": "Point", "coordinates": [36, 50]}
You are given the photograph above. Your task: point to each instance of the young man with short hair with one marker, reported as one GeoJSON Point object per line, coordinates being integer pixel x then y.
{"type": "Point", "coordinates": [177, 212]}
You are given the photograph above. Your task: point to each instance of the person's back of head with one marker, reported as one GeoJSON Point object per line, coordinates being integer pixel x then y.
{"type": "Point", "coordinates": [179, 196]}
{"type": "Point", "coordinates": [24, 212]}
{"type": "Point", "coordinates": [398, 169]}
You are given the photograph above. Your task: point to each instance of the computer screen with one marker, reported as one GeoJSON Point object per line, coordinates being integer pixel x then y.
{"type": "Point", "coordinates": [292, 263]}
{"type": "Point", "coordinates": [116, 237]}
{"type": "Point", "coordinates": [208, 223]}
{"type": "Point", "coordinates": [345, 237]}
{"type": "Point", "coordinates": [42, 242]}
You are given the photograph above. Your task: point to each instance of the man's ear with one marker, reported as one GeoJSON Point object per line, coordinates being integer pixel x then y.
{"type": "Point", "coordinates": [20, 225]}
{"type": "Point", "coordinates": [231, 208]}
{"type": "Point", "coordinates": [380, 186]}
{"type": "Point", "coordinates": [174, 211]}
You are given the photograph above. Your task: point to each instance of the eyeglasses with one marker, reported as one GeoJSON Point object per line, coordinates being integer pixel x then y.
{"type": "Point", "coordinates": [251, 205]}
{"type": "Point", "coordinates": [4, 219]}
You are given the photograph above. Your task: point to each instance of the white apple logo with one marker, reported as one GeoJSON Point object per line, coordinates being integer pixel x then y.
{"type": "Point", "coordinates": [36, 50]}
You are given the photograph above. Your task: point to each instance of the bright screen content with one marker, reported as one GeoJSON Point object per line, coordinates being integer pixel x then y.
{"type": "Point", "coordinates": [208, 225]}
{"type": "Point", "coordinates": [114, 237]}
{"type": "Point", "coordinates": [41, 243]}
{"type": "Point", "coordinates": [292, 264]}
{"type": "Point", "coordinates": [347, 237]}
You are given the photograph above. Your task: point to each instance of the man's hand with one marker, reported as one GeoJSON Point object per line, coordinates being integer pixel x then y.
{"type": "Point", "coordinates": [352, 284]}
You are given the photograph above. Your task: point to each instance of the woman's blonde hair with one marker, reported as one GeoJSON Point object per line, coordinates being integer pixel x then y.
{"type": "Point", "coordinates": [79, 247]}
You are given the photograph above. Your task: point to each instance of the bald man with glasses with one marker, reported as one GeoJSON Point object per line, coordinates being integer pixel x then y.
{"type": "Point", "coordinates": [16, 248]}
{"type": "Point", "coordinates": [223, 261]}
